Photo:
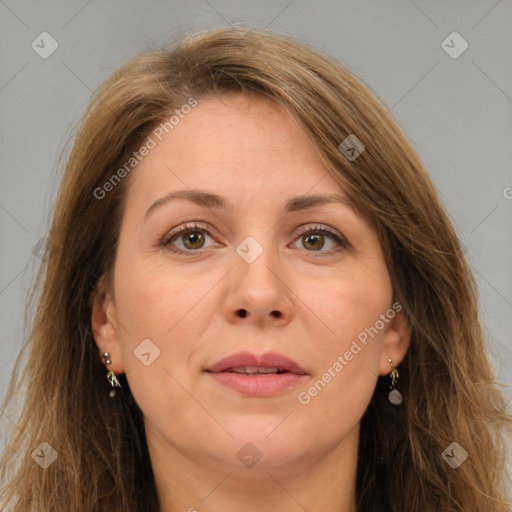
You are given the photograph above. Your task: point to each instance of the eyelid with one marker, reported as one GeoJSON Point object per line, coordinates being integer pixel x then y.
{"type": "Point", "coordinates": [321, 228]}
{"type": "Point", "coordinates": [183, 229]}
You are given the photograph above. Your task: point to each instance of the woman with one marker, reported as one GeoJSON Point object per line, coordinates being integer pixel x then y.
{"type": "Point", "coordinates": [252, 299]}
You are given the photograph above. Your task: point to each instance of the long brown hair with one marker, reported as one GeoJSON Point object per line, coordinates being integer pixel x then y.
{"type": "Point", "coordinates": [450, 391]}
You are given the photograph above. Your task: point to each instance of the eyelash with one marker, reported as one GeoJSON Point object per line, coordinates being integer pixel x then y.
{"type": "Point", "coordinates": [190, 228]}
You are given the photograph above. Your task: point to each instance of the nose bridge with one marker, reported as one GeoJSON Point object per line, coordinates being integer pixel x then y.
{"type": "Point", "coordinates": [257, 258]}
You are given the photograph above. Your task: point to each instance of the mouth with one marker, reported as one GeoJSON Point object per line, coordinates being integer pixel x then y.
{"type": "Point", "coordinates": [255, 370]}
{"type": "Point", "coordinates": [257, 376]}
{"type": "Point", "coordinates": [252, 364]}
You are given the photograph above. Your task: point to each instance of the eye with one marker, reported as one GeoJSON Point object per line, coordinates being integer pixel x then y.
{"type": "Point", "coordinates": [190, 236]}
{"type": "Point", "coordinates": [314, 239]}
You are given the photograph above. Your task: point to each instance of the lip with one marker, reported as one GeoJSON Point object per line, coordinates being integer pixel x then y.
{"type": "Point", "coordinates": [260, 385]}
{"type": "Point", "coordinates": [270, 359]}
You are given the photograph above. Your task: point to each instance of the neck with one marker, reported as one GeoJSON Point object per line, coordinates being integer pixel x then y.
{"type": "Point", "coordinates": [313, 482]}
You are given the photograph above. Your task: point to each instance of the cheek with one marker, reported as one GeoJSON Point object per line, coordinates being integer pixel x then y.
{"type": "Point", "coordinates": [346, 305]}
{"type": "Point", "coordinates": [173, 310]}
{"type": "Point", "coordinates": [349, 346]}
{"type": "Point", "coordinates": [157, 300]}
{"type": "Point", "coordinates": [170, 310]}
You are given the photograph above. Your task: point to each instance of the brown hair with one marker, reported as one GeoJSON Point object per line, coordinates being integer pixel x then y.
{"type": "Point", "coordinates": [446, 378]}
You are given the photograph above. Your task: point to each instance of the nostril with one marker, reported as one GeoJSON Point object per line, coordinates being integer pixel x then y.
{"type": "Point", "coordinates": [243, 313]}
{"type": "Point", "coordinates": [277, 314]}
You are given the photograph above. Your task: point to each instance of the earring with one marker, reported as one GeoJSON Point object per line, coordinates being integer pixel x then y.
{"type": "Point", "coordinates": [111, 376]}
{"type": "Point", "coordinates": [394, 396]}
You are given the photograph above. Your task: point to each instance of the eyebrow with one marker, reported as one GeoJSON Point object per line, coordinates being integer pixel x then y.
{"type": "Point", "coordinates": [210, 200]}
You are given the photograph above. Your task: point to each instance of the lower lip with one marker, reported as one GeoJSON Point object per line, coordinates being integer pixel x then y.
{"type": "Point", "coordinates": [258, 385]}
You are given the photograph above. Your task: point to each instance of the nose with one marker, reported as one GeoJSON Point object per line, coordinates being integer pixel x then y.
{"type": "Point", "coordinates": [259, 293]}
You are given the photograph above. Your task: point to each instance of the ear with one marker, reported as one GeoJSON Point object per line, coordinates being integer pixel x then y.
{"type": "Point", "coordinates": [397, 339]}
{"type": "Point", "coordinates": [104, 326]}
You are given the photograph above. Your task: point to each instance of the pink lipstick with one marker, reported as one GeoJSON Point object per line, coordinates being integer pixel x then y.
{"type": "Point", "coordinates": [257, 376]}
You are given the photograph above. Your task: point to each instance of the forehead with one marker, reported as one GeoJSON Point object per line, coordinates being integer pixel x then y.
{"type": "Point", "coordinates": [235, 126]}
{"type": "Point", "coordinates": [234, 140]}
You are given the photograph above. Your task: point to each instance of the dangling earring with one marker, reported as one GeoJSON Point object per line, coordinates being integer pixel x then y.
{"type": "Point", "coordinates": [111, 376]}
{"type": "Point", "coordinates": [394, 396]}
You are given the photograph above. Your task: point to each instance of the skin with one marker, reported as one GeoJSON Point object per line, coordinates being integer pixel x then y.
{"type": "Point", "coordinates": [249, 151]}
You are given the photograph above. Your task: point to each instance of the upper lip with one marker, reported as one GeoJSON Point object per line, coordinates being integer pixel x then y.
{"type": "Point", "coordinates": [269, 360]}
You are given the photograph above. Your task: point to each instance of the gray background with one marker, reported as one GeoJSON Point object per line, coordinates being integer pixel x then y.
{"type": "Point", "coordinates": [456, 111]}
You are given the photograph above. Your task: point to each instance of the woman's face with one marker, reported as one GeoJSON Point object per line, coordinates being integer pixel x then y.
{"type": "Point", "coordinates": [321, 299]}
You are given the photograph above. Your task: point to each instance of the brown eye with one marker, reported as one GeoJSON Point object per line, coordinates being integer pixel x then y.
{"type": "Point", "coordinates": [313, 242]}
{"type": "Point", "coordinates": [193, 239]}
{"type": "Point", "coordinates": [188, 239]}
{"type": "Point", "coordinates": [317, 238]}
